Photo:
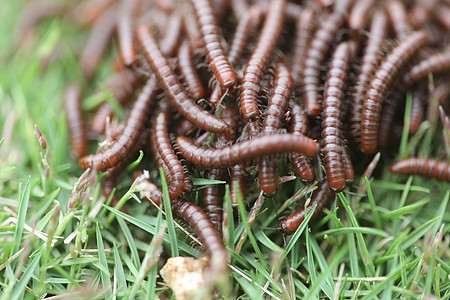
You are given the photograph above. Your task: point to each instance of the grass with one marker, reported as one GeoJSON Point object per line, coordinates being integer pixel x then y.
{"type": "Point", "coordinates": [391, 242]}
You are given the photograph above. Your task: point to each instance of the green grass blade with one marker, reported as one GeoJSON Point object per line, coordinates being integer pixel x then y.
{"type": "Point", "coordinates": [404, 210]}
{"type": "Point", "coordinates": [21, 217]}
{"type": "Point", "coordinates": [169, 217]}
{"type": "Point", "coordinates": [130, 241]}
{"type": "Point", "coordinates": [104, 274]}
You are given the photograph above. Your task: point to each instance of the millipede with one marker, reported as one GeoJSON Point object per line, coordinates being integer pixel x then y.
{"type": "Point", "coordinates": [331, 117]}
{"type": "Point", "coordinates": [320, 45]}
{"type": "Point", "coordinates": [422, 166]}
{"type": "Point", "coordinates": [75, 121]}
{"type": "Point", "coordinates": [380, 85]}
{"type": "Point", "coordinates": [272, 123]}
{"type": "Point", "coordinates": [299, 126]}
{"type": "Point", "coordinates": [246, 150]}
{"type": "Point", "coordinates": [369, 62]}
{"type": "Point", "coordinates": [210, 34]}
{"type": "Point", "coordinates": [187, 69]}
{"type": "Point", "coordinates": [319, 199]}
{"type": "Point", "coordinates": [258, 61]}
{"type": "Point", "coordinates": [247, 24]}
{"type": "Point", "coordinates": [249, 93]}
{"type": "Point", "coordinates": [162, 141]}
{"type": "Point", "coordinates": [173, 88]}
{"type": "Point", "coordinates": [135, 124]}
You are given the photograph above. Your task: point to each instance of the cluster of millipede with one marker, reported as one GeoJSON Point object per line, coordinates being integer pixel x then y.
{"type": "Point", "coordinates": [227, 86]}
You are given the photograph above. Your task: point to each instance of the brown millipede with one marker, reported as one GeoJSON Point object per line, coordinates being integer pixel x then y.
{"type": "Point", "coordinates": [370, 60]}
{"type": "Point", "coordinates": [380, 85]}
{"type": "Point", "coordinates": [299, 126]}
{"type": "Point", "coordinates": [244, 151]}
{"type": "Point", "coordinates": [272, 123]}
{"type": "Point", "coordinates": [130, 136]}
{"type": "Point", "coordinates": [259, 59]}
{"type": "Point", "coordinates": [320, 45]}
{"type": "Point", "coordinates": [320, 198]}
{"type": "Point", "coordinates": [246, 26]}
{"type": "Point", "coordinates": [173, 88]}
{"type": "Point", "coordinates": [422, 166]}
{"type": "Point", "coordinates": [161, 135]}
{"type": "Point", "coordinates": [332, 117]}
{"type": "Point", "coordinates": [188, 71]}
{"type": "Point", "coordinates": [215, 54]}
{"type": "Point", "coordinates": [75, 121]}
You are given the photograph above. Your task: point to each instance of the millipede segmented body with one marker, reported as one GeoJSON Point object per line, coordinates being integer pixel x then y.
{"type": "Point", "coordinates": [187, 69]}
{"type": "Point", "coordinates": [436, 64]}
{"type": "Point", "coordinates": [380, 85]}
{"type": "Point", "coordinates": [419, 97]}
{"type": "Point", "coordinates": [171, 40]}
{"type": "Point", "coordinates": [370, 60]}
{"type": "Point", "coordinates": [246, 26]}
{"type": "Point", "coordinates": [320, 198]}
{"type": "Point", "coordinates": [259, 60]}
{"type": "Point", "coordinates": [348, 166]}
{"type": "Point", "coordinates": [398, 16]}
{"type": "Point", "coordinates": [173, 88]}
{"type": "Point", "coordinates": [75, 121]}
{"type": "Point", "coordinates": [273, 121]}
{"type": "Point", "coordinates": [422, 166]}
{"type": "Point", "coordinates": [162, 141]}
{"type": "Point", "coordinates": [359, 16]}
{"type": "Point", "coordinates": [304, 30]}
{"type": "Point", "coordinates": [332, 117]}
{"type": "Point", "coordinates": [245, 151]}
{"type": "Point", "coordinates": [135, 124]}
{"type": "Point", "coordinates": [197, 220]}
{"type": "Point", "coordinates": [299, 126]}
{"type": "Point", "coordinates": [215, 54]}
{"type": "Point", "coordinates": [320, 45]}
{"type": "Point", "coordinates": [125, 32]}
{"type": "Point", "coordinates": [213, 198]}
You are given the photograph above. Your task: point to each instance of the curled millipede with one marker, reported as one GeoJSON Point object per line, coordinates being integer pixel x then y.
{"type": "Point", "coordinates": [299, 126]}
{"type": "Point", "coordinates": [187, 69]}
{"type": "Point", "coordinates": [370, 60]}
{"type": "Point", "coordinates": [161, 134]}
{"type": "Point", "coordinates": [332, 117]}
{"type": "Point", "coordinates": [422, 166]}
{"type": "Point", "coordinates": [320, 198]}
{"type": "Point", "coordinates": [135, 124]}
{"type": "Point", "coordinates": [210, 33]}
{"type": "Point", "coordinates": [75, 121]}
{"type": "Point", "coordinates": [173, 88]}
{"type": "Point", "coordinates": [244, 151]}
{"type": "Point", "coordinates": [259, 60]}
{"type": "Point", "coordinates": [380, 85]}
{"type": "Point", "coordinates": [320, 45]}
{"type": "Point", "coordinates": [272, 123]}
